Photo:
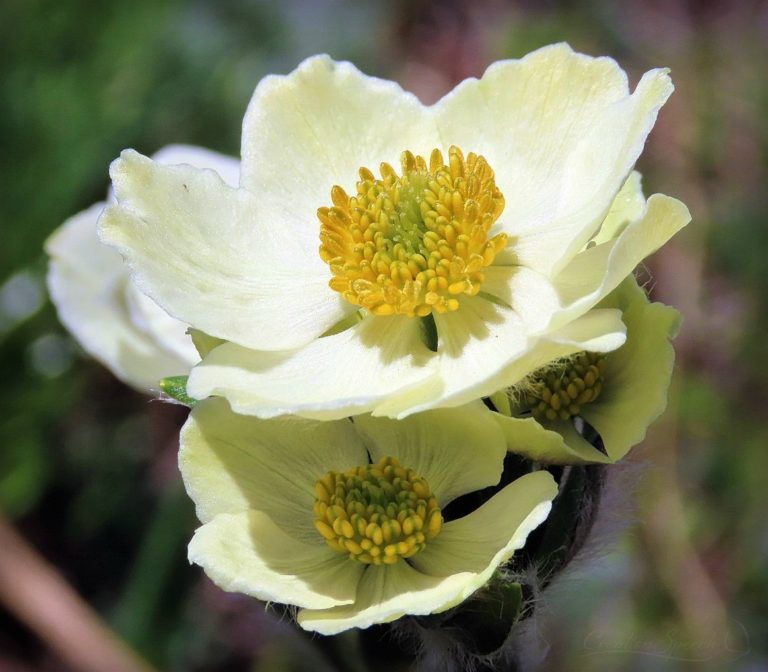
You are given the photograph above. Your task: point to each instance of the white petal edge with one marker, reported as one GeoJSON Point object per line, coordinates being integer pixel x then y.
{"type": "Point", "coordinates": [560, 444]}
{"type": "Point", "coordinates": [596, 271]}
{"type": "Point", "coordinates": [87, 283]}
{"type": "Point", "coordinates": [315, 128]}
{"type": "Point", "coordinates": [349, 372]}
{"type": "Point", "coordinates": [227, 167]}
{"type": "Point", "coordinates": [231, 463]}
{"type": "Point", "coordinates": [487, 354]}
{"type": "Point", "coordinates": [247, 553]}
{"type": "Point", "coordinates": [562, 133]}
{"type": "Point", "coordinates": [628, 206]}
{"type": "Point", "coordinates": [637, 375]}
{"type": "Point", "coordinates": [236, 276]}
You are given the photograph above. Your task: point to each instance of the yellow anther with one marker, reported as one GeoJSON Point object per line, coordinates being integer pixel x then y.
{"type": "Point", "coordinates": [377, 513]}
{"type": "Point", "coordinates": [436, 217]}
{"type": "Point", "coordinates": [325, 529]}
{"type": "Point", "coordinates": [558, 391]}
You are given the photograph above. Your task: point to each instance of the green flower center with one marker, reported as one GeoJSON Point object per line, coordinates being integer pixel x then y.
{"type": "Point", "coordinates": [559, 391]}
{"type": "Point", "coordinates": [412, 244]}
{"type": "Point", "coordinates": [377, 513]}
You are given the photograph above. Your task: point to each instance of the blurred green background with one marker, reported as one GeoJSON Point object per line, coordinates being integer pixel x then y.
{"type": "Point", "coordinates": [87, 467]}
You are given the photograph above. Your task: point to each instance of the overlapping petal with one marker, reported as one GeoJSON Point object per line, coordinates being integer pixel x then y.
{"type": "Point", "coordinates": [316, 127]}
{"type": "Point", "coordinates": [562, 132]}
{"type": "Point", "coordinates": [634, 390]}
{"type": "Point", "coordinates": [231, 463]}
{"type": "Point", "coordinates": [455, 452]}
{"type": "Point", "coordinates": [201, 249]}
{"type": "Point", "coordinates": [639, 373]}
{"type": "Point", "coordinates": [89, 287]}
{"type": "Point", "coordinates": [473, 343]}
{"type": "Point", "coordinates": [596, 271]}
{"type": "Point", "coordinates": [332, 377]}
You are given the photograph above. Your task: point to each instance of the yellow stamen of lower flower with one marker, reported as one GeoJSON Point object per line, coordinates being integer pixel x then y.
{"type": "Point", "coordinates": [413, 243]}
{"type": "Point", "coordinates": [377, 513]}
{"type": "Point", "coordinates": [559, 391]}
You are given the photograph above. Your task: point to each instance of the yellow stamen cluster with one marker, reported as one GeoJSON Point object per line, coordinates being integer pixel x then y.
{"type": "Point", "coordinates": [413, 243]}
{"type": "Point", "coordinates": [377, 513]}
{"type": "Point", "coordinates": [559, 392]}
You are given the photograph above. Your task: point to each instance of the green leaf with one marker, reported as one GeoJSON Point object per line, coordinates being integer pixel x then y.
{"type": "Point", "coordinates": [176, 388]}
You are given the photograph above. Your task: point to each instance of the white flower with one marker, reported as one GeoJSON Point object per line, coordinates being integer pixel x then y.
{"type": "Point", "coordinates": [111, 319]}
{"type": "Point", "coordinates": [451, 276]}
{"type": "Point", "coordinates": [344, 519]}
{"type": "Point", "coordinates": [618, 394]}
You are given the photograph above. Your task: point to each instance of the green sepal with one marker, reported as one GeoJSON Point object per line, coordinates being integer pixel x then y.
{"type": "Point", "coordinates": [176, 388]}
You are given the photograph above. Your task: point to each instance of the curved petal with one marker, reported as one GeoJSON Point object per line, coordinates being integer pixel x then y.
{"type": "Point", "coordinates": [315, 128]}
{"type": "Point", "coordinates": [350, 372]}
{"type": "Point", "coordinates": [247, 553]}
{"type": "Point", "coordinates": [231, 463]}
{"type": "Point", "coordinates": [562, 132]}
{"type": "Point", "coordinates": [448, 571]}
{"type": "Point", "coordinates": [637, 375]}
{"type": "Point", "coordinates": [235, 276]}
{"type": "Point", "coordinates": [530, 294]}
{"type": "Point", "coordinates": [480, 541]}
{"type": "Point", "coordinates": [560, 444]}
{"type": "Point", "coordinates": [227, 167]}
{"type": "Point", "coordinates": [88, 285]}
{"type": "Point", "coordinates": [150, 318]}
{"type": "Point", "coordinates": [593, 273]}
{"type": "Point", "coordinates": [483, 348]}
{"type": "Point", "coordinates": [627, 207]}
{"type": "Point", "coordinates": [386, 593]}
{"type": "Point", "coordinates": [456, 450]}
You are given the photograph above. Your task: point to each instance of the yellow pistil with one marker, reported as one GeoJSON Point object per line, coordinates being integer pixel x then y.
{"type": "Point", "coordinates": [377, 513]}
{"type": "Point", "coordinates": [559, 391]}
{"type": "Point", "coordinates": [413, 243]}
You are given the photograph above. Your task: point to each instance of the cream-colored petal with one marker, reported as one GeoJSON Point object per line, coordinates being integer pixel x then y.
{"type": "Point", "coordinates": [474, 343]}
{"type": "Point", "coordinates": [456, 450]}
{"type": "Point", "coordinates": [483, 348]}
{"type": "Point", "coordinates": [248, 553]}
{"type": "Point", "coordinates": [333, 377]}
{"type": "Point", "coordinates": [227, 167]}
{"type": "Point", "coordinates": [637, 375]}
{"type": "Point", "coordinates": [150, 318]}
{"type": "Point", "coordinates": [452, 567]}
{"type": "Point", "coordinates": [203, 251]}
{"type": "Point", "coordinates": [482, 540]}
{"type": "Point", "coordinates": [310, 130]}
{"type": "Point", "coordinates": [562, 133]}
{"type": "Point", "coordinates": [530, 294]}
{"type": "Point", "coordinates": [594, 272]}
{"type": "Point", "coordinates": [557, 444]}
{"type": "Point", "coordinates": [88, 284]}
{"type": "Point", "coordinates": [386, 593]}
{"type": "Point", "coordinates": [231, 463]}
{"type": "Point", "coordinates": [627, 207]}
{"type": "Point", "coordinates": [203, 342]}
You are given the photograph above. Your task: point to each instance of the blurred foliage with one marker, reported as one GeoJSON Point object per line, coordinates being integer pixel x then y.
{"type": "Point", "coordinates": [87, 468]}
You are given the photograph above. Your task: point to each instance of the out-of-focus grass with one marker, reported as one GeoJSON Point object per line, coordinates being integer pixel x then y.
{"type": "Point", "coordinates": [87, 467]}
